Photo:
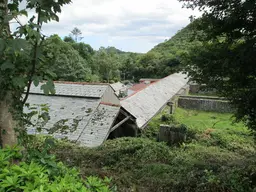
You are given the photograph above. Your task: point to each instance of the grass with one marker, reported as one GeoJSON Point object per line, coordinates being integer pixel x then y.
{"type": "Point", "coordinates": [217, 129]}
{"type": "Point", "coordinates": [218, 156]}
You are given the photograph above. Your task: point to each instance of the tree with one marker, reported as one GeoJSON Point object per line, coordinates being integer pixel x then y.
{"type": "Point", "coordinates": [21, 61]}
{"type": "Point", "coordinates": [76, 34]}
{"type": "Point", "coordinates": [128, 66]}
{"type": "Point", "coordinates": [84, 50]}
{"type": "Point", "coordinates": [68, 39]}
{"type": "Point", "coordinates": [226, 59]}
{"type": "Point", "coordinates": [65, 61]}
{"type": "Point", "coordinates": [106, 65]}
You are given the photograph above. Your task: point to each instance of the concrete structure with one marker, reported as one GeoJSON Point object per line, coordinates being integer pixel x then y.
{"type": "Point", "coordinates": [149, 101]}
{"type": "Point", "coordinates": [90, 112]}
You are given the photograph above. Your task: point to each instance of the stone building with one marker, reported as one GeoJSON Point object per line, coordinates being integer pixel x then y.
{"type": "Point", "coordinates": [91, 111]}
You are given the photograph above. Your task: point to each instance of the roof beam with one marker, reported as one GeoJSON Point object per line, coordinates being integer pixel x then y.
{"type": "Point", "coordinates": [120, 123]}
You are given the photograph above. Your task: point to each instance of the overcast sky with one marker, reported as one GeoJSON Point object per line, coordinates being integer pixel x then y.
{"type": "Point", "coordinates": [129, 25]}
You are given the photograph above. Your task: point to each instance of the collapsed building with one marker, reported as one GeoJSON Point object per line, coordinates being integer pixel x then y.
{"type": "Point", "coordinates": [94, 113]}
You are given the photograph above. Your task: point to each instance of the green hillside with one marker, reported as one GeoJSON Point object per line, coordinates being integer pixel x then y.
{"type": "Point", "coordinates": [181, 41]}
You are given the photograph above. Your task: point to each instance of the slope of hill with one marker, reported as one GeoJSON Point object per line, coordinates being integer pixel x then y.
{"type": "Point", "coordinates": [165, 58]}
{"type": "Point", "coordinates": [181, 41]}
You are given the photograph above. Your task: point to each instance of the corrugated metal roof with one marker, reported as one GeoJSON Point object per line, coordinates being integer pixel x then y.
{"type": "Point", "coordinates": [79, 90]}
{"type": "Point", "coordinates": [146, 103]}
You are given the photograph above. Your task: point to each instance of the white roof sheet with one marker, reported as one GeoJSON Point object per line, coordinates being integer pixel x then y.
{"type": "Point", "coordinates": [146, 103]}
{"type": "Point", "coordinates": [68, 89]}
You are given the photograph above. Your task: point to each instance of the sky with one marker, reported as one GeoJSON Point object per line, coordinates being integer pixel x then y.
{"type": "Point", "coordinates": [129, 25]}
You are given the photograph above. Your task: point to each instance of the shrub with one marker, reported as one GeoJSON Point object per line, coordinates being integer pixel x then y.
{"type": "Point", "coordinates": [145, 165]}
{"type": "Point", "coordinates": [32, 176]}
{"type": "Point", "coordinates": [168, 118]}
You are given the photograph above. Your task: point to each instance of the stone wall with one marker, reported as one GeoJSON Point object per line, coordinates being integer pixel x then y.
{"type": "Point", "coordinates": [173, 103]}
{"type": "Point", "coordinates": [214, 104]}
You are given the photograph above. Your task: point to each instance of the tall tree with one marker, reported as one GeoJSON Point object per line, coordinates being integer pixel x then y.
{"type": "Point", "coordinates": [226, 60]}
{"type": "Point", "coordinates": [7, 133]}
{"type": "Point", "coordinates": [76, 34]}
{"type": "Point", "coordinates": [65, 61]}
{"type": "Point", "coordinates": [106, 64]}
{"type": "Point", "coordinates": [21, 61]}
{"type": "Point", "coordinates": [69, 39]}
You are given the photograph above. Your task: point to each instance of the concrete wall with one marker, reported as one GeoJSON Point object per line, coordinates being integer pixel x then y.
{"type": "Point", "coordinates": [213, 104]}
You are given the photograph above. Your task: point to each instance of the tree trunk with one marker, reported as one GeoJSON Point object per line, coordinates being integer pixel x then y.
{"type": "Point", "coordinates": [7, 124]}
{"type": "Point", "coordinates": [4, 26]}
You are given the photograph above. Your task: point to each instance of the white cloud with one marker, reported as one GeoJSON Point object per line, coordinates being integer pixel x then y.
{"type": "Point", "coordinates": [121, 21]}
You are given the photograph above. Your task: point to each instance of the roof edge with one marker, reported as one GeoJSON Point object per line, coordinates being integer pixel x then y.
{"type": "Point", "coordinates": [58, 95]}
{"type": "Point", "coordinates": [80, 83]}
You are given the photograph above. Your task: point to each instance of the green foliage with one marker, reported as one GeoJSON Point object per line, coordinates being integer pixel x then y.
{"type": "Point", "coordinates": [225, 61]}
{"type": "Point", "coordinates": [167, 118]}
{"type": "Point", "coordinates": [165, 58]}
{"type": "Point", "coordinates": [152, 129]}
{"type": "Point", "coordinates": [21, 52]}
{"type": "Point", "coordinates": [65, 61]}
{"type": "Point", "coordinates": [34, 176]}
{"type": "Point", "coordinates": [21, 59]}
{"type": "Point", "coordinates": [218, 156]}
{"type": "Point", "coordinates": [106, 65]}
{"type": "Point", "coordinates": [217, 129]}
{"type": "Point", "coordinates": [144, 165]}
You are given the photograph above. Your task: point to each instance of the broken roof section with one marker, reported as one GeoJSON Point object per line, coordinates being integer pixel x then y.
{"type": "Point", "coordinates": [118, 87]}
{"type": "Point", "coordinates": [146, 103]}
{"type": "Point", "coordinates": [88, 110]}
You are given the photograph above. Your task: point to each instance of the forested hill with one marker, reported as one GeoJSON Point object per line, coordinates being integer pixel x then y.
{"type": "Point", "coordinates": [71, 60]}
{"type": "Point", "coordinates": [165, 58]}
{"type": "Point", "coordinates": [182, 40]}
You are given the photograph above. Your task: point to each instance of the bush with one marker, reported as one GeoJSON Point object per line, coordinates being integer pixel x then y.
{"type": "Point", "coordinates": [17, 175]}
{"type": "Point", "coordinates": [168, 118]}
{"type": "Point", "coordinates": [145, 165]}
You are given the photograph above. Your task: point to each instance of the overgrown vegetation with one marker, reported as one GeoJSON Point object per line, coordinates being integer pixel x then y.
{"type": "Point", "coordinates": [225, 59]}
{"type": "Point", "coordinates": [217, 156]}
{"type": "Point", "coordinates": [43, 174]}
